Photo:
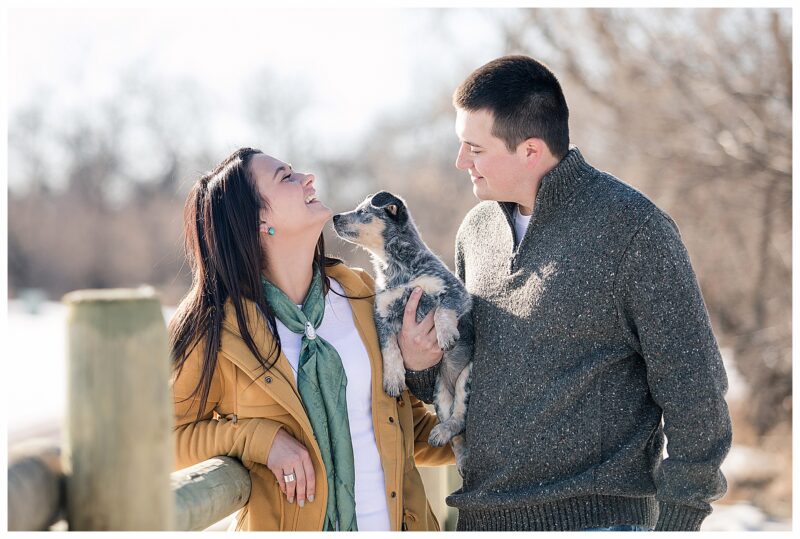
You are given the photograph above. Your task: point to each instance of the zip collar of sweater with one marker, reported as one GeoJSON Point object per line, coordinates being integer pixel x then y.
{"type": "Point", "coordinates": [558, 186]}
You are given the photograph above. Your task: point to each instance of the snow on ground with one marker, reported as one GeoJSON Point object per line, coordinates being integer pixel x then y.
{"type": "Point", "coordinates": [36, 392]}
{"type": "Point", "coordinates": [36, 369]}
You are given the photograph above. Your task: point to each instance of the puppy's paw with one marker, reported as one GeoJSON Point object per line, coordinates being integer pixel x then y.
{"type": "Point", "coordinates": [447, 338]}
{"type": "Point", "coordinates": [440, 435]}
{"type": "Point", "coordinates": [446, 322]}
{"type": "Point", "coordinates": [460, 467]}
{"type": "Point", "coordinates": [460, 452]}
{"type": "Point", "coordinates": [394, 387]}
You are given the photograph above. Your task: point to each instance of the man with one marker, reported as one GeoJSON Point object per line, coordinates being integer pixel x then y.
{"type": "Point", "coordinates": [590, 329]}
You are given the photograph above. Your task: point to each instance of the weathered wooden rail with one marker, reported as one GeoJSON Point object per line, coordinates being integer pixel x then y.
{"type": "Point", "coordinates": [203, 494]}
{"type": "Point", "coordinates": [113, 467]}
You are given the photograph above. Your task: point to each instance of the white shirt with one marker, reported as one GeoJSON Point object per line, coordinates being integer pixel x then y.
{"type": "Point", "coordinates": [521, 223]}
{"type": "Point", "coordinates": [339, 329]}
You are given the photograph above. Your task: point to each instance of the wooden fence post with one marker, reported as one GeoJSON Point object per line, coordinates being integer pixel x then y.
{"type": "Point", "coordinates": [118, 448]}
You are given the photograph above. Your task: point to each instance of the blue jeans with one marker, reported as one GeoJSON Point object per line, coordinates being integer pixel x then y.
{"type": "Point", "coordinates": [621, 528]}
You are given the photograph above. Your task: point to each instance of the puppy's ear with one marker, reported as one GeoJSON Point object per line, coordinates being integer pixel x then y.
{"type": "Point", "coordinates": [391, 203]}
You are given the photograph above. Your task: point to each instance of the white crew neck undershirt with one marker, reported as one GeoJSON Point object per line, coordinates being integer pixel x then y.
{"type": "Point", "coordinates": [521, 223]}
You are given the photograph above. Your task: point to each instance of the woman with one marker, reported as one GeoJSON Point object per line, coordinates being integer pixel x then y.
{"type": "Point", "coordinates": [277, 362]}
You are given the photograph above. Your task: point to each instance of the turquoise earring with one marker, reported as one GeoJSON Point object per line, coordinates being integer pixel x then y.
{"type": "Point", "coordinates": [270, 230]}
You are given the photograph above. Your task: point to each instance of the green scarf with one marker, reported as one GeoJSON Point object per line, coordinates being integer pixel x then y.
{"type": "Point", "coordinates": [322, 383]}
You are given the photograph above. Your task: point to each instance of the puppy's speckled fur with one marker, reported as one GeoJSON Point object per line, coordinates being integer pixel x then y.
{"type": "Point", "coordinates": [382, 225]}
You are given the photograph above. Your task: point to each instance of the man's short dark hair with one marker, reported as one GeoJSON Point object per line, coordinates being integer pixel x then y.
{"type": "Point", "coordinates": [524, 97]}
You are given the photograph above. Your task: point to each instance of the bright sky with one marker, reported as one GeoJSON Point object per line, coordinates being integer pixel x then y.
{"type": "Point", "coordinates": [353, 63]}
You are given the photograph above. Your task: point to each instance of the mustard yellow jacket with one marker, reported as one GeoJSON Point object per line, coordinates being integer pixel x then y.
{"type": "Point", "coordinates": [247, 406]}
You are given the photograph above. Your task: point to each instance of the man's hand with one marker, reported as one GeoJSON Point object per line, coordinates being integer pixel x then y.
{"type": "Point", "coordinates": [418, 343]}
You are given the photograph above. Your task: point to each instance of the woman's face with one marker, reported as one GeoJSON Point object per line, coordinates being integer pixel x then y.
{"type": "Point", "coordinates": [293, 209]}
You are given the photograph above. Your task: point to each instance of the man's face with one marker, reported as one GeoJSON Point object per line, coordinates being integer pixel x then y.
{"type": "Point", "coordinates": [496, 173]}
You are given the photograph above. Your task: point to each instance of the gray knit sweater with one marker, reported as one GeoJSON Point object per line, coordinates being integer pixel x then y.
{"type": "Point", "coordinates": [586, 336]}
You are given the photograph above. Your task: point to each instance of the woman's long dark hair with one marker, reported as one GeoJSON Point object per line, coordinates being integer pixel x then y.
{"type": "Point", "coordinates": [221, 221]}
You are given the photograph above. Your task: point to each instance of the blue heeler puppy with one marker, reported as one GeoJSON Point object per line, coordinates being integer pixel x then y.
{"type": "Point", "coordinates": [382, 225]}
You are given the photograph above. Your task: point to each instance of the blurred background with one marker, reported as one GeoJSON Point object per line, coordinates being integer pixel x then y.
{"type": "Point", "coordinates": [114, 113]}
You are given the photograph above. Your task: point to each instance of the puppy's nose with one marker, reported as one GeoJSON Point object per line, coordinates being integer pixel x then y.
{"type": "Point", "coordinates": [336, 218]}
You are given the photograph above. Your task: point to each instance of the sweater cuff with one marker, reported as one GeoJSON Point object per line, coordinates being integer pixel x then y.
{"type": "Point", "coordinates": [423, 383]}
{"type": "Point", "coordinates": [673, 517]}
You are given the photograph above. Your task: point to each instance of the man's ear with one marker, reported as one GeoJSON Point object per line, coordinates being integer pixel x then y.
{"type": "Point", "coordinates": [533, 149]}
{"type": "Point", "coordinates": [391, 203]}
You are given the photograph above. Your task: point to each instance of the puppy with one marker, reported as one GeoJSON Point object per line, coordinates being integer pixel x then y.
{"type": "Point", "coordinates": [382, 225]}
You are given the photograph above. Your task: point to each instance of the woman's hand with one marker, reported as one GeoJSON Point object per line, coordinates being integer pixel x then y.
{"type": "Point", "coordinates": [418, 344]}
{"type": "Point", "coordinates": [286, 456]}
